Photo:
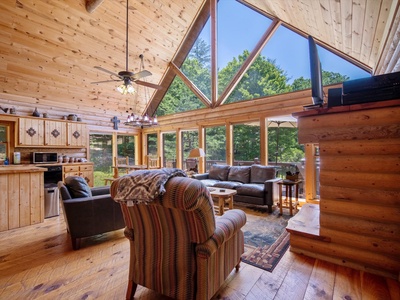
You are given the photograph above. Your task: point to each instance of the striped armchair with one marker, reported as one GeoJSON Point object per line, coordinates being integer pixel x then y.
{"type": "Point", "coordinates": [178, 247]}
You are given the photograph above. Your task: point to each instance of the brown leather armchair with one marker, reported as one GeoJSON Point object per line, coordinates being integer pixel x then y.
{"type": "Point", "coordinates": [178, 247]}
{"type": "Point", "coordinates": [88, 211]}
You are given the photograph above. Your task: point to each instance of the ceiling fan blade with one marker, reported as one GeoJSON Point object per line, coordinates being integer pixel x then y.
{"type": "Point", "coordinates": [109, 72]}
{"type": "Point", "coordinates": [148, 84]}
{"type": "Point", "coordinates": [140, 74]}
{"type": "Point", "coordinates": [104, 81]}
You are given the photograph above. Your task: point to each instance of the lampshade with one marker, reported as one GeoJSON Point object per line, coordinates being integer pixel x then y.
{"type": "Point", "coordinates": [196, 152]}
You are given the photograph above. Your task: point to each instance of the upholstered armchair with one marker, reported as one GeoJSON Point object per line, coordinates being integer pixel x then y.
{"type": "Point", "coordinates": [88, 211]}
{"type": "Point", "coordinates": [178, 247]}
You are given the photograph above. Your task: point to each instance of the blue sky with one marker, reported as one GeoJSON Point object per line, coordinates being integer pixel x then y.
{"type": "Point", "coordinates": [240, 28]}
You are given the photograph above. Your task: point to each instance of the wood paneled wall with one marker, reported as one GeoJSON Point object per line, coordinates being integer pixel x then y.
{"type": "Point", "coordinates": [359, 186]}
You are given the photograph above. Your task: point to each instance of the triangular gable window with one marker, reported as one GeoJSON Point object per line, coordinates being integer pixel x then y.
{"type": "Point", "coordinates": [281, 66]}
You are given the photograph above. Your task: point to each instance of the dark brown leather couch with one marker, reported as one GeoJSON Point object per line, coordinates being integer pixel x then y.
{"type": "Point", "coordinates": [88, 211]}
{"type": "Point", "coordinates": [255, 184]}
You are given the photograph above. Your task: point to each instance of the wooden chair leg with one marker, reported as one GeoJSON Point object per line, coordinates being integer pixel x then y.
{"type": "Point", "coordinates": [132, 286]}
{"type": "Point", "coordinates": [237, 267]}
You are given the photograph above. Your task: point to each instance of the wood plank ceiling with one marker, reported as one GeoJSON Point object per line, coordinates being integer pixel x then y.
{"type": "Point", "coordinates": [49, 48]}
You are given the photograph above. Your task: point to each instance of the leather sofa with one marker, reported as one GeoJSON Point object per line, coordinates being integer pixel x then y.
{"type": "Point", "coordinates": [255, 184]}
{"type": "Point", "coordinates": [88, 211]}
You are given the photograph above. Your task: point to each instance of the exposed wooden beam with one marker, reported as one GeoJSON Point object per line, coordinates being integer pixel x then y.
{"type": "Point", "coordinates": [203, 98]}
{"type": "Point", "coordinates": [91, 5]}
{"type": "Point", "coordinates": [247, 64]}
{"type": "Point", "coordinates": [214, 53]}
{"type": "Point", "coordinates": [184, 48]}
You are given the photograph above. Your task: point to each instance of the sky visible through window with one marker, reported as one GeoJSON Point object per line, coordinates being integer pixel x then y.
{"type": "Point", "coordinates": [240, 28]}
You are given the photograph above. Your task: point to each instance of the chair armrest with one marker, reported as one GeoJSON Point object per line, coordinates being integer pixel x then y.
{"type": "Point", "coordinates": [227, 225]}
{"type": "Point", "coordinates": [101, 198]}
{"type": "Point", "coordinates": [272, 190]}
{"type": "Point", "coordinates": [101, 190]}
{"type": "Point", "coordinates": [200, 176]}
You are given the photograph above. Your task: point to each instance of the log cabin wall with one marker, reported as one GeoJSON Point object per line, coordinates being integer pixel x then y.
{"type": "Point", "coordinates": [359, 148]}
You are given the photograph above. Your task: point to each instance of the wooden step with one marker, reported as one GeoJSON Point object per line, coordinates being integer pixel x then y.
{"type": "Point", "coordinates": [306, 223]}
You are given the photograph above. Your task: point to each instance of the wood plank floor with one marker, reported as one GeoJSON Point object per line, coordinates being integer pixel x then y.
{"type": "Point", "coordinates": [37, 262]}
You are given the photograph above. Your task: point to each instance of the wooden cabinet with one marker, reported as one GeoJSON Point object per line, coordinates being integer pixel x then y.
{"type": "Point", "coordinates": [84, 170]}
{"type": "Point", "coordinates": [39, 132]}
{"type": "Point", "coordinates": [55, 133]}
{"type": "Point", "coordinates": [21, 197]}
{"type": "Point", "coordinates": [31, 132]}
{"type": "Point", "coordinates": [77, 134]}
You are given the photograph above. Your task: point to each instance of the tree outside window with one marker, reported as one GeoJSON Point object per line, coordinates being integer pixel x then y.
{"type": "Point", "coordinates": [215, 145]}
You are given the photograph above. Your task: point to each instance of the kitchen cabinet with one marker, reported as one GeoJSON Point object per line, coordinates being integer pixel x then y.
{"type": "Point", "coordinates": [77, 134]}
{"type": "Point", "coordinates": [55, 133]}
{"type": "Point", "coordinates": [31, 132]}
{"type": "Point", "coordinates": [84, 170]}
{"type": "Point", "coordinates": [39, 132]}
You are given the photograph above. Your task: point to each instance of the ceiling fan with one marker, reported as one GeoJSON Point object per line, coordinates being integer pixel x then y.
{"type": "Point", "coordinates": [126, 76]}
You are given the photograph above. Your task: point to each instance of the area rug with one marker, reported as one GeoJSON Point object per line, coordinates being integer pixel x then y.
{"type": "Point", "coordinates": [265, 237]}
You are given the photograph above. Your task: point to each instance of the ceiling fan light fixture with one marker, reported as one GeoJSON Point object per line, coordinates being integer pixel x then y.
{"type": "Point", "coordinates": [126, 88]}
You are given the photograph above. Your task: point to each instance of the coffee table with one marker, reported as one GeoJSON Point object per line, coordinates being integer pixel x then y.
{"type": "Point", "coordinates": [223, 196]}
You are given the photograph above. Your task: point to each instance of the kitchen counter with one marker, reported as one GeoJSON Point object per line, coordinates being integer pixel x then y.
{"type": "Point", "coordinates": [22, 196]}
{"type": "Point", "coordinates": [13, 169]}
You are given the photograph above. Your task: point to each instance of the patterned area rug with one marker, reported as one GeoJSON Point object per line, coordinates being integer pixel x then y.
{"type": "Point", "coordinates": [265, 237]}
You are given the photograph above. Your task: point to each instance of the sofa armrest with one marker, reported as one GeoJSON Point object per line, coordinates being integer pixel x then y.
{"type": "Point", "coordinates": [272, 190]}
{"type": "Point", "coordinates": [200, 176]}
{"type": "Point", "coordinates": [101, 190]}
{"type": "Point", "coordinates": [227, 225]}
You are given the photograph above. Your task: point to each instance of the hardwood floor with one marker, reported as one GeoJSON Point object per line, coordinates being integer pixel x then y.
{"type": "Point", "coordinates": [37, 262]}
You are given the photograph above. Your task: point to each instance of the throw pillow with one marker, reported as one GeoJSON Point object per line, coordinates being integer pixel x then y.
{"type": "Point", "coordinates": [78, 187]}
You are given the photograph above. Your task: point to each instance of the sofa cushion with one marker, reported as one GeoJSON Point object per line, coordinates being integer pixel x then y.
{"type": "Point", "coordinates": [209, 182]}
{"type": "Point", "coordinates": [239, 173]}
{"type": "Point", "coordinates": [251, 189]}
{"type": "Point", "coordinates": [78, 187]}
{"type": "Point", "coordinates": [227, 184]}
{"type": "Point", "coordinates": [260, 174]}
{"type": "Point", "coordinates": [218, 172]}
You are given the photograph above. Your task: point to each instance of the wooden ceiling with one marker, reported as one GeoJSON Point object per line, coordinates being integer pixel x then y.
{"type": "Point", "coordinates": [49, 48]}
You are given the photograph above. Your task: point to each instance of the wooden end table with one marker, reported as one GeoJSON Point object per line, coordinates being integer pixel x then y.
{"type": "Point", "coordinates": [288, 202]}
{"type": "Point", "coordinates": [223, 196]}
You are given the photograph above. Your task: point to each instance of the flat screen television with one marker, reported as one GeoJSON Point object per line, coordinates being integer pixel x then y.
{"type": "Point", "coordinates": [317, 92]}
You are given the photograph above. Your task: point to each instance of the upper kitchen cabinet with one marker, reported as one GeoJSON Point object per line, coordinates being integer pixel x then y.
{"type": "Point", "coordinates": [77, 134]}
{"type": "Point", "coordinates": [31, 132]}
{"type": "Point", "coordinates": [55, 133]}
{"type": "Point", "coordinates": [39, 132]}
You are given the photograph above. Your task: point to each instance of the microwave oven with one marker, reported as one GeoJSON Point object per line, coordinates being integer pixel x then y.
{"type": "Point", "coordinates": [45, 157]}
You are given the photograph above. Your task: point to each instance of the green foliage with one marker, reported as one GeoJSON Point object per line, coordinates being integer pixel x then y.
{"type": "Point", "coordinates": [152, 143]}
{"type": "Point", "coordinates": [99, 177]}
{"type": "Point", "coordinates": [246, 145]}
{"type": "Point", "coordinates": [263, 78]}
{"type": "Point", "coordinates": [216, 143]}
{"type": "Point", "coordinates": [283, 145]}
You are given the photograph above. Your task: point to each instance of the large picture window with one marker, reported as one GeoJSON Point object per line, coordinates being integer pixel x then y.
{"type": "Point", "coordinates": [246, 143]}
{"type": "Point", "coordinates": [215, 146]}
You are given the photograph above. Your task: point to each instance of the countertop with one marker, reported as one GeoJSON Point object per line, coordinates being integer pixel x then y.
{"type": "Point", "coordinates": [13, 169]}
